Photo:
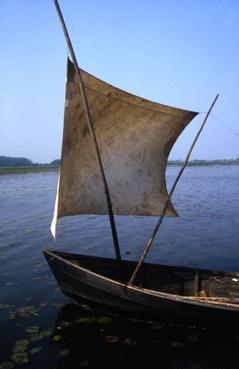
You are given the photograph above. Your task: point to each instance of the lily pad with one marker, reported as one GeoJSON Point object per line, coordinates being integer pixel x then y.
{"type": "Point", "coordinates": [5, 306]}
{"type": "Point", "coordinates": [58, 305]}
{"type": "Point", "coordinates": [47, 332]}
{"type": "Point", "coordinates": [11, 315]}
{"type": "Point", "coordinates": [104, 320]}
{"type": "Point", "coordinates": [52, 283]}
{"type": "Point", "coordinates": [17, 349]}
{"type": "Point", "coordinates": [85, 319]}
{"type": "Point", "coordinates": [64, 352]}
{"type": "Point", "coordinates": [193, 338]}
{"type": "Point", "coordinates": [129, 342]}
{"type": "Point", "coordinates": [20, 358]}
{"type": "Point", "coordinates": [44, 304]}
{"type": "Point", "coordinates": [65, 324]}
{"type": "Point", "coordinates": [36, 338]}
{"type": "Point", "coordinates": [56, 338]}
{"type": "Point", "coordinates": [27, 311]}
{"type": "Point", "coordinates": [84, 363]}
{"type": "Point", "coordinates": [39, 336]}
{"type": "Point", "coordinates": [22, 342]}
{"type": "Point", "coordinates": [111, 339]}
{"type": "Point", "coordinates": [33, 329]}
{"type": "Point", "coordinates": [20, 346]}
{"type": "Point", "coordinates": [177, 345]}
{"type": "Point", "coordinates": [9, 283]}
{"type": "Point", "coordinates": [35, 350]}
{"type": "Point", "coordinates": [157, 326]}
{"type": "Point", "coordinates": [6, 365]}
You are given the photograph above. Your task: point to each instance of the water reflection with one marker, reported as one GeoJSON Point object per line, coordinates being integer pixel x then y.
{"type": "Point", "coordinates": [206, 235]}
{"type": "Point", "coordinates": [94, 339]}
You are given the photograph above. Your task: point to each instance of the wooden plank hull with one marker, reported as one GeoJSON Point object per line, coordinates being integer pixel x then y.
{"type": "Point", "coordinates": [102, 286]}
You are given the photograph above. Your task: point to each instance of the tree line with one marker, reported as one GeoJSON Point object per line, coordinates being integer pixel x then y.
{"type": "Point", "coordinates": [9, 161]}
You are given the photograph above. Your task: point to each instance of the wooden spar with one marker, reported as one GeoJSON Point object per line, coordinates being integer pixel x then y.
{"type": "Point", "coordinates": [147, 247]}
{"type": "Point", "coordinates": [92, 132]}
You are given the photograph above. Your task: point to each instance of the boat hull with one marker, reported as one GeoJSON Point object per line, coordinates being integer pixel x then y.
{"type": "Point", "coordinates": [81, 283]}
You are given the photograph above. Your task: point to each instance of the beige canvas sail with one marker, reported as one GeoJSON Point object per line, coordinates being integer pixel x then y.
{"type": "Point", "coordinates": [134, 136]}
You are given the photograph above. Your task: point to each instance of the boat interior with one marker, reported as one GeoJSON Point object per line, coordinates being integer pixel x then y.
{"type": "Point", "coordinates": [169, 279]}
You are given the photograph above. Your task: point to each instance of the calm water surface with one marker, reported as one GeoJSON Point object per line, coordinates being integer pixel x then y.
{"type": "Point", "coordinates": [40, 327]}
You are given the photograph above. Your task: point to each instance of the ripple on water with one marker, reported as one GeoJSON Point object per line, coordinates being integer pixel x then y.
{"type": "Point", "coordinates": [205, 235]}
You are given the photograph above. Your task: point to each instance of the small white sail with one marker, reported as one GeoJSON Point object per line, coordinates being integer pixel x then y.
{"type": "Point", "coordinates": [134, 136]}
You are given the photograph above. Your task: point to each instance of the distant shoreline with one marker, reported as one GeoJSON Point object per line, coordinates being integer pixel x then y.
{"type": "Point", "coordinates": [55, 168]}
{"type": "Point", "coordinates": [204, 163]}
{"type": "Point", "coordinates": [29, 169]}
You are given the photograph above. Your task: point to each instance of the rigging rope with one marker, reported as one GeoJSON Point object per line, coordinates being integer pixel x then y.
{"type": "Point", "coordinates": [223, 123]}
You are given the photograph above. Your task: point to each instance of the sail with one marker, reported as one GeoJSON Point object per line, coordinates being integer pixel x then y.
{"type": "Point", "coordinates": [134, 136]}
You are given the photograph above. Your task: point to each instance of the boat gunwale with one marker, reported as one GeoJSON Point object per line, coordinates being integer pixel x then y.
{"type": "Point", "coordinates": [195, 300]}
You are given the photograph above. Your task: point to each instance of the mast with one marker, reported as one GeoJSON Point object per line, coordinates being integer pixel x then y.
{"type": "Point", "coordinates": [151, 239]}
{"type": "Point", "coordinates": [92, 132]}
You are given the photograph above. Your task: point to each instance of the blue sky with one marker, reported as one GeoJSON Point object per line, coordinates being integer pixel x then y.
{"type": "Point", "coordinates": [180, 53]}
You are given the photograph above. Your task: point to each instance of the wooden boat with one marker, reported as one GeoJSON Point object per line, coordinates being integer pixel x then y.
{"type": "Point", "coordinates": [114, 155]}
{"type": "Point", "coordinates": [162, 292]}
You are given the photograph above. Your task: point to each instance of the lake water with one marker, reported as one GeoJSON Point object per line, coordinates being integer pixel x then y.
{"type": "Point", "coordinates": [53, 332]}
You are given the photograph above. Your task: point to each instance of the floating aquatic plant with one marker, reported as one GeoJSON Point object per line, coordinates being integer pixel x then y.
{"type": "Point", "coordinates": [129, 342]}
{"type": "Point", "coordinates": [5, 306]}
{"type": "Point", "coordinates": [65, 324]}
{"type": "Point", "coordinates": [23, 341]}
{"type": "Point", "coordinates": [11, 315]}
{"type": "Point", "coordinates": [156, 326]}
{"type": "Point", "coordinates": [33, 329]}
{"type": "Point", "coordinates": [58, 305]}
{"type": "Point", "coordinates": [35, 350]}
{"type": "Point", "coordinates": [44, 304]}
{"type": "Point", "coordinates": [193, 338]}
{"type": "Point", "coordinates": [56, 338]}
{"type": "Point", "coordinates": [36, 278]}
{"type": "Point", "coordinates": [177, 344]}
{"type": "Point", "coordinates": [52, 283]}
{"type": "Point", "coordinates": [38, 336]}
{"type": "Point", "coordinates": [21, 312]}
{"type": "Point", "coordinates": [104, 320]}
{"type": "Point", "coordinates": [27, 311]}
{"type": "Point", "coordinates": [84, 363]}
{"type": "Point", "coordinates": [64, 352]}
{"type": "Point", "coordinates": [85, 319]}
{"type": "Point", "coordinates": [20, 358]}
{"type": "Point", "coordinates": [111, 339]}
{"type": "Point", "coordinates": [17, 349]}
{"type": "Point", "coordinates": [6, 365]}
{"type": "Point", "coordinates": [20, 346]}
